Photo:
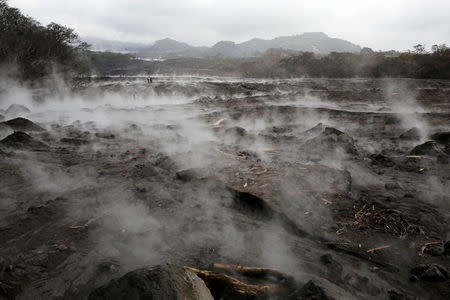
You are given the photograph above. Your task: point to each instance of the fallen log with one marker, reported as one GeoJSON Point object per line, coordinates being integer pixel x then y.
{"type": "Point", "coordinates": [252, 271]}
{"type": "Point", "coordinates": [226, 287]}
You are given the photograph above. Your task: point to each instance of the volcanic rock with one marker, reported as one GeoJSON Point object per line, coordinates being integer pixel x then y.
{"type": "Point", "coordinates": [21, 124]}
{"type": "Point", "coordinates": [280, 129]}
{"type": "Point", "coordinates": [329, 140]}
{"type": "Point", "coordinates": [160, 282]}
{"type": "Point", "coordinates": [433, 273]}
{"type": "Point", "coordinates": [430, 148]}
{"type": "Point", "coordinates": [236, 131]}
{"type": "Point", "coordinates": [314, 131]}
{"type": "Point", "coordinates": [412, 134]}
{"type": "Point", "coordinates": [21, 140]}
{"type": "Point", "coordinates": [447, 248]}
{"type": "Point", "coordinates": [442, 137]}
{"type": "Point", "coordinates": [312, 291]}
{"type": "Point", "coordinates": [392, 121]}
{"type": "Point", "coordinates": [382, 160]}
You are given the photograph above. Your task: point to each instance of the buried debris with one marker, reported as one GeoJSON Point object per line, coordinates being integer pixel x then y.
{"type": "Point", "coordinates": [390, 221]}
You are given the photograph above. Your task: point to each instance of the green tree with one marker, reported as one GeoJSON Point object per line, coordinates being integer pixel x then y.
{"type": "Point", "coordinates": [419, 49]}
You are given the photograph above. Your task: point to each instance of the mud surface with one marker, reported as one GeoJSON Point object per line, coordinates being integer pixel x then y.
{"type": "Point", "coordinates": [343, 185]}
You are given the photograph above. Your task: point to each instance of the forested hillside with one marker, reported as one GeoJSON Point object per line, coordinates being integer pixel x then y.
{"type": "Point", "coordinates": [31, 50]}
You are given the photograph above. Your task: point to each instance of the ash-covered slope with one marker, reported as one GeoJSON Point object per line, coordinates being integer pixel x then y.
{"type": "Point", "coordinates": [255, 189]}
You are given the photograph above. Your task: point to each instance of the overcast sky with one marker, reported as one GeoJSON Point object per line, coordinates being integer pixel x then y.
{"type": "Point", "coordinates": [393, 24]}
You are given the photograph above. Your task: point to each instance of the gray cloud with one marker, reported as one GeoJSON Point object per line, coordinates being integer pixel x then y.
{"type": "Point", "coordinates": [394, 24]}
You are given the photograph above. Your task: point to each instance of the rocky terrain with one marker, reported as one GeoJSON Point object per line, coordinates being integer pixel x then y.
{"type": "Point", "coordinates": [223, 188]}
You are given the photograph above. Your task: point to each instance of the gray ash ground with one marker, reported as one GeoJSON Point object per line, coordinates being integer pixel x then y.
{"type": "Point", "coordinates": [343, 185]}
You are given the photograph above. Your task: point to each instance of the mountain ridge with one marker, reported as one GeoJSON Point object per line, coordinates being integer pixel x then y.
{"type": "Point", "coordinates": [317, 42]}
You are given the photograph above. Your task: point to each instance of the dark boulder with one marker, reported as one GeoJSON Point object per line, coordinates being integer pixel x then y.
{"type": "Point", "coordinates": [396, 295]}
{"type": "Point", "coordinates": [442, 137]}
{"type": "Point", "coordinates": [393, 120]}
{"type": "Point", "coordinates": [381, 160]}
{"type": "Point", "coordinates": [21, 124]}
{"type": "Point", "coordinates": [412, 134]}
{"type": "Point", "coordinates": [160, 282]}
{"type": "Point", "coordinates": [447, 248]}
{"type": "Point", "coordinates": [331, 140]}
{"type": "Point", "coordinates": [435, 274]}
{"type": "Point", "coordinates": [432, 273]}
{"type": "Point", "coordinates": [316, 130]}
{"type": "Point", "coordinates": [21, 140]}
{"type": "Point", "coordinates": [311, 291]}
{"type": "Point", "coordinates": [236, 131]}
{"type": "Point", "coordinates": [430, 148]}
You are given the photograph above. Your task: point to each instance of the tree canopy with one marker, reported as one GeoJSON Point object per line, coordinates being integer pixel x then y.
{"type": "Point", "coordinates": [34, 49]}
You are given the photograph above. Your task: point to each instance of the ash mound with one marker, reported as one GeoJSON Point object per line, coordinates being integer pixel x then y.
{"type": "Point", "coordinates": [21, 124]}
{"type": "Point", "coordinates": [21, 140]}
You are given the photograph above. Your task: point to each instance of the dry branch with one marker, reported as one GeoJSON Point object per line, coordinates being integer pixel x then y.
{"type": "Point", "coordinates": [252, 271]}
{"type": "Point", "coordinates": [224, 286]}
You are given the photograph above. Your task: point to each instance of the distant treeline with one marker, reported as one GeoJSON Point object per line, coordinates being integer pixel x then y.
{"type": "Point", "coordinates": [109, 63]}
{"type": "Point", "coordinates": [30, 50]}
{"type": "Point", "coordinates": [417, 64]}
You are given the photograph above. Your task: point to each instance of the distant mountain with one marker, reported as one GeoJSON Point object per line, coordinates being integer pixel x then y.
{"type": "Point", "coordinates": [316, 42]}
{"type": "Point", "coordinates": [168, 48]}
{"type": "Point", "coordinates": [113, 46]}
